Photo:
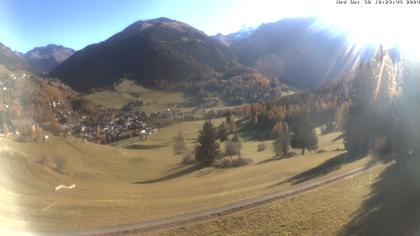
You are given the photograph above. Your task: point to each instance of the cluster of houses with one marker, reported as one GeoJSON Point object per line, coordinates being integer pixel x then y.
{"type": "Point", "coordinates": [110, 125]}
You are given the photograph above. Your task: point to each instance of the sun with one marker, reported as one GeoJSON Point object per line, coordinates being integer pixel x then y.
{"type": "Point", "coordinates": [393, 26]}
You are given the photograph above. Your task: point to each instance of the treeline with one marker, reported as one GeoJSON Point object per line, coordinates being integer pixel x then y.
{"type": "Point", "coordinates": [318, 106]}
{"type": "Point", "coordinates": [238, 86]}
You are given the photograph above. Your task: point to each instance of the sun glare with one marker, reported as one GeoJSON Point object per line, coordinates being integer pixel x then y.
{"type": "Point", "coordinates": [390, 26]}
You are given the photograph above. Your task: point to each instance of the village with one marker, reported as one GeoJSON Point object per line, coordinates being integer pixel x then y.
{"type": "Point", "coordinates": [109, 125]}
{"type": "Point", "coordinates": [104, 125]}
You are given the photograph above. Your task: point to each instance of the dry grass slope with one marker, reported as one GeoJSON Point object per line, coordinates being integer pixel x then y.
{"type": "Point", "coordinates": [324, 211]}
{"type": "Point", "coordinates": [142, 181]}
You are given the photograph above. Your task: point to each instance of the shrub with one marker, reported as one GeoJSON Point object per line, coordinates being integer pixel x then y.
{"type": "Point", "coordinates": [233, 148]}
{"type": "Point", "coordinates": [231, 163]}
{"type": "Point", "coordinates": [188, 158]}
{"type": "Point", "coordinates": [304, 136]}
{"type": "Point", "coordinates": [261, 147]}
{"type": "Point", "coordinates": [281, 144]}
{"type": "Point", "coordinates": [179, 143]}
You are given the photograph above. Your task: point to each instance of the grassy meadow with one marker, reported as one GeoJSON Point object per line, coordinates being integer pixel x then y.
{"type": "Point", "coordinates": [133, 180]}
{"type": "Point", "coordinates": [128, 90]}
{"type": "Point", "coordinates": [323, 211]}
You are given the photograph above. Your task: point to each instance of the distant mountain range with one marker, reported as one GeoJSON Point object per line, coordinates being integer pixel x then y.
{"type": "Point", "coordinates": [40, 60]}
{"type": "Point", "coordinates": [163, 51]}
{"type": "Point", "coordinates": [244, 32]}
{"type": "Point", "coordinates": [44, 59]}
{"type": "Point", "coordinates": [296, 51]}
{"type": "Point", "coordinates": [10, 60]}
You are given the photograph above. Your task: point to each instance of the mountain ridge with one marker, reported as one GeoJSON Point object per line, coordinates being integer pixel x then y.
{"type": "Point", "coordinates": [10, 60]}
{"type": "Point", "coordinates": [152, 50]}
{"type": "Point", "coordinates": [227, 39]}
{"type": "Point", "coordinates": [283, 48]}
{"type": "Point", "coordinates": [44, 59]}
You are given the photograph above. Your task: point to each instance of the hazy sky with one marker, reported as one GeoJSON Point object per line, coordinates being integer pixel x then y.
{"type": "Point", "coordinates": [25, 24]}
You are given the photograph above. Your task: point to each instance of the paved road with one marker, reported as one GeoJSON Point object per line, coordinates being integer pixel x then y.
{"type": "Point", "coordinates": [152, 225]}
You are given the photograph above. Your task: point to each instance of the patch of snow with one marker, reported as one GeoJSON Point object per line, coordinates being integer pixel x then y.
{"type": "Point", "coordinates": [61, 186]}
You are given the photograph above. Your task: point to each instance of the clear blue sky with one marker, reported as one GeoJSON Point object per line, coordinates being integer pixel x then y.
{"type": "Point", "coordinates": [26, 24]}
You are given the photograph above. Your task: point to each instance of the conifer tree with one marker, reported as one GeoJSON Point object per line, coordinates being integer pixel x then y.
{"type": "Point", "coordinates": [230, 123]}
{"type": "Point", "coordinates": [304, 136]}
{"type": "Point", "coordinates": [222, 132]}
{"type": "Point", "coordinates": [208, 149]}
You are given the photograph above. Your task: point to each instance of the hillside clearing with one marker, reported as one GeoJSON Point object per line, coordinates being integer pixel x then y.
{"type": "Point", "coordinates": [127, 90]}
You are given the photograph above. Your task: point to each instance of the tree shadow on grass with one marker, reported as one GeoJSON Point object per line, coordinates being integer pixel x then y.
{"type": "Point", "coordinates": [173, 175]}
{"type": "Point", "coordinates": [341, 136]}
{"type": "Point", "coordinates": [192, 140]}
{"type": "Point", "coordinates": [268, 160]}
{"type": "Point", "coordinates": [274, 159]}
{"type": "Point", "coordinates": [144, 147]}
{"type": "Point", "coordinates": [393, 206]}
{"type": "Point", "coordinates": [322, 169]}
{"type": "Point", "coordinates": [209, 171]}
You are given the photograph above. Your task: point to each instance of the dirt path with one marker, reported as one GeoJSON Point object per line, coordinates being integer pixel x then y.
{"type": "Point", "coordinates": [159, 224]}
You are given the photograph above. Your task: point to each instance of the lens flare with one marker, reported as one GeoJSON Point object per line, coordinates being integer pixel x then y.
{"type": "Point", "coordinates": [393, 26]}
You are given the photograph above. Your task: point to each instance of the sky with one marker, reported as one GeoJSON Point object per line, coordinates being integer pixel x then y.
{"type": "Point", "coordinates": [26, 24]}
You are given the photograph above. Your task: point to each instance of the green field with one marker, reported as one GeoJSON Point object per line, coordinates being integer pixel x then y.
{"type": "Point", "coordinates": [142, 181]}
{"type": "Point", "coordinates": [128, 90]}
